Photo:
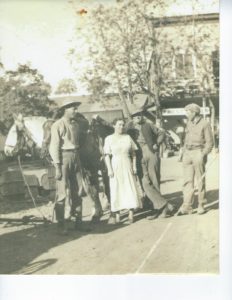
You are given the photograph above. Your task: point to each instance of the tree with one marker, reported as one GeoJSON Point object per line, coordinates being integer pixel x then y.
{"type": "Point", "coordinates": [128, 45]}
{"type": "Point", "coordinates": [119, 47]}
{"type": "Point", "coordinates": [23, 91]}
{"type": "Point", "coordinates": [96, 86]}
{"type": "Point", "coordinates": [66, 86]}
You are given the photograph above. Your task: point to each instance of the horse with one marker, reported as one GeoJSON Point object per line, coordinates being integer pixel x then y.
{"type": "Point", "coordinates": [30, 136]}
{"type": "Point", "coordinates": [25, 136]}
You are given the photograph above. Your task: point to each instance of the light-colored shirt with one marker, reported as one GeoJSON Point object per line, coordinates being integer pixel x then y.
{"type": "Point", "coordinates": [65, 135]}
{"type": "Point", "coordinates": [198, 133]}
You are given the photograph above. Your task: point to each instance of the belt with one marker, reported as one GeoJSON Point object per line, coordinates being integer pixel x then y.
{"type": "Point", "coordinates": [194, 147]}
{"type": "Point", "coordinates": [69, 150]}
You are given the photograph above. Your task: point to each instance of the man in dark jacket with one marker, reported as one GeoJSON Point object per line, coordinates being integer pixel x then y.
{"type": "Point", "coordinates": [149, 138]}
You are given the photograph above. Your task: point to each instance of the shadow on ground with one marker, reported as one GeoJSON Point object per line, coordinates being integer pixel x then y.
{"type": "Point", "coordinates": [18, 205]}
{"type": "Point", "coordinates": [19, 248]}
{"type": "Point", "coordinates": [37, 266]}
{"type": "Point", "coordinates": [212, 197]}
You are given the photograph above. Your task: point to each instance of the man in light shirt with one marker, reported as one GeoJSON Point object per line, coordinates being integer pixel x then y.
{"type": "Point", "coordinates": [198, 143]}
{"type": "Point", "coordinates": [64, 151]}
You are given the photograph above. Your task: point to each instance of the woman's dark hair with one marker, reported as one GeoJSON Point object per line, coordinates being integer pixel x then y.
{"type": "Point", "coordinates": [116, 120]}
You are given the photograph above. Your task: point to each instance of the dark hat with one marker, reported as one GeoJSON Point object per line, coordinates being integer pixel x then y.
{"type": "Point", "coordinates": [193, 107]}
{"type": "Point", "coordinates": [134, 111]}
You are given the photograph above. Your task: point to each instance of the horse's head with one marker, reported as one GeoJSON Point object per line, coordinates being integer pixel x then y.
{"type": "Point", "coordinates": [100, 127]}
{"type": "Point", "coordinates": [19, 122]}
{"type": "Point", "coordinates": [82, 122]}
{"type": "Point", "coordinates": [24, 135]}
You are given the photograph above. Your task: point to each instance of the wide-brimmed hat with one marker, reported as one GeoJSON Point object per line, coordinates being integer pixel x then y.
{"type": "Point", "coordinates": [63, 104]}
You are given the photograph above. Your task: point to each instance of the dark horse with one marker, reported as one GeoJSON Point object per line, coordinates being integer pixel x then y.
{"type": "Point", "coordinates": [93, 164]}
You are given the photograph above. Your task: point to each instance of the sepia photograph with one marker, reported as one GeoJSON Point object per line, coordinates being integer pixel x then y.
{"type": "Point", "coordinates": [109, 137]}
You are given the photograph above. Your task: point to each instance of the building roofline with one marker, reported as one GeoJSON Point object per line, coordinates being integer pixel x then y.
{"type": "Point", "coordinates": [178, 20]}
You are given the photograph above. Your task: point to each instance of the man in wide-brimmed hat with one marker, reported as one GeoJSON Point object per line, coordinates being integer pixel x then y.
{"type": "Point", "coordinates": [197, 145]}
{"type": "Point", "coordinates": [149, 139]}
{"type": "Point", "coordinates": [64, 151]}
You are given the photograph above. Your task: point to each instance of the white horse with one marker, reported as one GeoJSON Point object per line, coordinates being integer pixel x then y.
{"type": "Point", "coordinates": [25, 132]}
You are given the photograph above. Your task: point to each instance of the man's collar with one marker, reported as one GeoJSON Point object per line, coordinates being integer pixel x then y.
{"type": "Point", "coordinates": [69, 121]}
{"type": "Point", "coordinates": [197, 119]}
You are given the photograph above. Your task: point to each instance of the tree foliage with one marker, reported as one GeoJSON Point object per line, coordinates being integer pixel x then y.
{"type": "Point", "coordinates": [124, 46]}
{"type": "Point", "coordinates": [119, 47]}
{"type": "Point", "coordinates": [66, 86]}
{"type": "Point", "coordinates": [23, 91]}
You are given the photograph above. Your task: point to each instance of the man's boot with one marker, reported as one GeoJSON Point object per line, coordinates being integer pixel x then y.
{"type": "Point", "coordinates": [61, 226]}
{"type": "Point", "coordinates": [201, 210]}
{"type": "Point", "coordinates": [155, 214]}
{"type": "Point", "coordinates": [167, 211]}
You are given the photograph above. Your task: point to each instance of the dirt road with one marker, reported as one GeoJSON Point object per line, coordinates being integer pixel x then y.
{"type": "Point", "coordinates": [186, 244]}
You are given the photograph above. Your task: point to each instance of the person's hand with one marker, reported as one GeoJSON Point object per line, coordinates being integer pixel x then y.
{"type": "Point", "coordinates": [203, 155]}
{"type": "Point", "coordinates": [44, 152]}
{"type": "Point", "coordinates": [58, 173]}
{"type": "Point", "coordinates": [134, 170]}
{"type": "Point", "coordinates": [111, 174]}
{"type": "Point", "coordinates": [147, 178]}
{"type": "Point", "coordinates": [155, 147]}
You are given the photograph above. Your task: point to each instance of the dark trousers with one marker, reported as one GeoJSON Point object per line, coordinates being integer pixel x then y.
{"type": "Point", "coordinates": [68, 201]}
{"type": "Point", "coordinates": [151, 177]}
{"type": "Point", "coordinates": [193, 167]}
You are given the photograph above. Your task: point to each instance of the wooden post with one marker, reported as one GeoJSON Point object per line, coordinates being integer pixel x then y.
{"type": "Point", "coordinates": [212, 110]}
{"type": "Point", "coordinates": [204, 106]}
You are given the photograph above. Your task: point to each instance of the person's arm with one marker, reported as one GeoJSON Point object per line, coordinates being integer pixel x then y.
{"type": "Point", "coordinates": [208, 139]}
{"type": "Point", "coordinates": [160, 136]}
{"type": "Point", "coordinates": [109, 166]}
{"type": "Point", "coordinates": [134, 148]}
{"type": "Point", "coordinates": [55, 149]}
{"type": "Point", "coordinates": [107, 152]}
{"type": "Point", "coordinates": [134, 163]}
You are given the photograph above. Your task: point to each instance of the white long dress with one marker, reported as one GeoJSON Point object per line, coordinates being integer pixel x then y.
{"type": "Point", "coordinates": [123, 187]}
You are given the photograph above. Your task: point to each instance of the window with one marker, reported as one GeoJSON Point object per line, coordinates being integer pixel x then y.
{"type": "Point", "coordinates": [184, 66]}
{"type": "Point", "coordinates": [167, 65]}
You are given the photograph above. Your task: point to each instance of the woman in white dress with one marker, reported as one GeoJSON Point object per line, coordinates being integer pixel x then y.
{"type": "Point", "coordinates": [120, 159]}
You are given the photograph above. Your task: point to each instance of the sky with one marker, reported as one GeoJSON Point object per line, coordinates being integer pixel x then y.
{"type": "Point", "coordinates": [39, 32]}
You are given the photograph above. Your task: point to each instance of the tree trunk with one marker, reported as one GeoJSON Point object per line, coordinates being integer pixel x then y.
{"type": "Point", "coordinates": [120, 89]}
{"type": "Point", "coordinates": [155, 75]}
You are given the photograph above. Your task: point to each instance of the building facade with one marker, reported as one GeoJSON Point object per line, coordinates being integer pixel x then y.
{"type": "Point", "coordinates": [189, 68]}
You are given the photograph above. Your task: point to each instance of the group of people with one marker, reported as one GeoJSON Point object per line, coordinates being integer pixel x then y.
{"type": "Point", "coordinates": [132, 158]}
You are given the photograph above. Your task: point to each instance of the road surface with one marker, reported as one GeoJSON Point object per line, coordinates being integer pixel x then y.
{"type": "Point", "coordinates": [185, 244]}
